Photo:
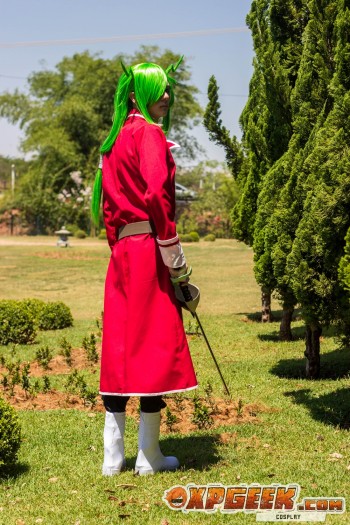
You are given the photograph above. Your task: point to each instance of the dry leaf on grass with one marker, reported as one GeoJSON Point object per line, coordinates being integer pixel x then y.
{"type": "Point", "coordinates": [335, 456]}
{"type": "Point", "coordinates": [52, 480]}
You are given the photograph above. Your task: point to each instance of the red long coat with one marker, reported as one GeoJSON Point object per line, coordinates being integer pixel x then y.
{"type": "Point", "coordinates": [144, 346]}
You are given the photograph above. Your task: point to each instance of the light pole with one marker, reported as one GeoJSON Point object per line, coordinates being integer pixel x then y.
{"type": "Point", "coordinates": [13, 178]}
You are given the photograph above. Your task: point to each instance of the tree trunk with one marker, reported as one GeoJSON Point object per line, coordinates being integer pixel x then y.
{"type": "Point", "coordinates": [312, 351]}
{"type": "Point", "coordinates": [266, 315]}
{"type": "Point", "coordinates": [285, 326]}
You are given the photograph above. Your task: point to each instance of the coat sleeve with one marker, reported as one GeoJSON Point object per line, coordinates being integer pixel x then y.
{"type": "Point", "coordinates": [160, 193]}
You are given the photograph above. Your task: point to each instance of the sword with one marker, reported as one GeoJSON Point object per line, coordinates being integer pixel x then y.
{"type": "Point", "coordinates": [191, 305]}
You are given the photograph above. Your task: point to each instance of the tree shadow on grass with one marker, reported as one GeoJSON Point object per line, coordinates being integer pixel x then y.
{"type": "Point", "coordinates": [330, 409]}
{"type": "Point", "coordinates": [334, 365]}
{"type": "Point", "coordinates": [195, 452]}
{"type": "Point", "coordinates": [255, 317]}
{"type": "Point", "coordinates": [13, 471]}
{"type": "Point", "coordinates": [298, 334]}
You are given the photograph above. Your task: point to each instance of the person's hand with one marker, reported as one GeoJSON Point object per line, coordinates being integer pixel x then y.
{"type": "Point", "coordinates": [177, 273]}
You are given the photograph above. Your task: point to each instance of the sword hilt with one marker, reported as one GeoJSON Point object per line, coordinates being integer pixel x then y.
{"type": "Point", "coordinates": [186, 292]}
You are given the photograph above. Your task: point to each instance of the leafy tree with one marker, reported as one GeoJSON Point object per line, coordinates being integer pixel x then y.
{"type": "Point", "coordinates": [67, 114]}
{"type": "Point", "coordinates": [217, 193]}
{"type": "Point", "coordinates": [266, 120]}
{"type": "Point", "coordinates": [283, 190]}
{"type": "Point", "coordinates": [319, 242]}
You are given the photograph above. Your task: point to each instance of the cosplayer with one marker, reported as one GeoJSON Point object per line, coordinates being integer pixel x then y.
{"type": "Point", "coordinates": [144, 347]}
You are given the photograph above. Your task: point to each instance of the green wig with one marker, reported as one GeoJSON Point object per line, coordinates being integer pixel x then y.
{"type": "Point", "coordinates": [148, 81]}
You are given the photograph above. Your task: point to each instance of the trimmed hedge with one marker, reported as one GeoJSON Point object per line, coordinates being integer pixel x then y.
{"type": "Point", "coordinates": [10, 434]}
{"type": "Point", "coordinates": [55, 316]}
{"type": "Point", "coordinates": [189, 237]}
{"type": "Point", "coordinates": [17, 323]}
{"type": "Point", "coordinates": [20, 320]}
{"type": "Point", "coordinates": [209, 238]}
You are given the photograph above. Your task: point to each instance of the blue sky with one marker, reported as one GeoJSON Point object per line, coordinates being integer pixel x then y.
{"type": "Point", "coordinates": [226, 55]}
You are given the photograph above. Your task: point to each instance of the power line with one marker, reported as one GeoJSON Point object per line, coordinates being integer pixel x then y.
{"type": "Point", "coordinates": [125, 38]}
{"type": "Point", "coordinates": [199, 92]}
{"type": "Point", "coordinates": [11, 76]}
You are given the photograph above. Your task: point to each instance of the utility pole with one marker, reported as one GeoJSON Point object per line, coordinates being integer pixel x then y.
{"type": "Point", "coordinates": [13, 178]}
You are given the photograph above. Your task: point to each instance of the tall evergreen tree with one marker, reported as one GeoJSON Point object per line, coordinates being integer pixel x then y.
{"type": "Point", "coordinates": [277, 27]}
{"type": "Point", "coordinates": [319, 241]}
{"type": "Point", "coordinates": [283, 190]}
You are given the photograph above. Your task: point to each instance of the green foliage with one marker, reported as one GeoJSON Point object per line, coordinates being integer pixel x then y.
{"type": "Point", "coordinates": [209, 238]}
{"type": "Point", "coordinates": [344, 264]}
{"type": "Point", "coordinates": [10, 434]}
{"type": "Point", "coordinates": [217, 192]}
{"type": "Point", "coordinates": [80, 234]}
{"type": "Point", "coordinates": [89, 345]}
{"type": "Point", "coordinates": [55, 316]}
{"type": "Point", "coordinates": [170, 420]}
{"type": "Point", "coordinates": [17, 324]}
{"type": "Point", "coordinates": [201, 416]}
{"type": "Point", "coordinates": [76, 384]}
{"type": "Point", "coordinates": [66, 351]}
{"type": "Point", "coordinates": [44, 355]}
{"type": "Point", "coordinates": [194, 236]}
{"type": "Point", "coordinates": [102, 235]}
{"type": "Point", "coordinates": [46, 384]}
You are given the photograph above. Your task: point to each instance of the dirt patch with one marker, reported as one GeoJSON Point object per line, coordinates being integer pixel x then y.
{"type": "Point", "coordinates": [179, 416]}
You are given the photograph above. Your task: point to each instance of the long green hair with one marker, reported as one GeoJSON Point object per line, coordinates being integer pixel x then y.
{"type": "Point", "coordinates": [148, 81]}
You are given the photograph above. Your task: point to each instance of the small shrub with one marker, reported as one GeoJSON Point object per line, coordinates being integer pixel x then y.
{"type": "Point", "coordinates": [55, 316]}
{"type": "Point", "coordinates": [185, 237]}
{"type": "Point", "coordinates": [72, 228]}
{"type": "Point", "coordinates": [178, 399]}
{"type": "Point", "coordinates": [171, 419]}
{"type": "Point", "coordinates": [10, 434]}
{"type": "Point", "coordinates": [102, 235]}
{"type": "Point", "coordinates": [66, 351]}
{"type": "Point", "coordinates": [46, 385]}
{"type": "Point", "coordinates": [201, 417]}
{"type": "Point", "coordinates": [80, 234]}
{"type": "Point", "coordinates": [194, 236]}
{"type": "Point", "coordinates": [209, 238]}
{"type": "Point", "coordinates": [17, 324]}
{"type": "Point", "coordinates": [89, 345]}
{"type": "Point", "coordinates": [35, 307]}
{"type": "Point", "coordinates": [89, 396]}
{"type": "Point", "coordinates": [44, 355]}
{"type": "Point", "coordinates": [25, 378]}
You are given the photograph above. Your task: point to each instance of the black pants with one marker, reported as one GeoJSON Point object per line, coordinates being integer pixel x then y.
{"type": "Point", "coordinates": [148, 403]}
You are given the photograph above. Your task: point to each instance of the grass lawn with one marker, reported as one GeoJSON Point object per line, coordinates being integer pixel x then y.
{"type": "Point", "coordinates": [300, 436]}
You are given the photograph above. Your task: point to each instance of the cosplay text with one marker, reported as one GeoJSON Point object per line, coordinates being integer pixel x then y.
{"type": "Point", "coordinates": [281, 499]}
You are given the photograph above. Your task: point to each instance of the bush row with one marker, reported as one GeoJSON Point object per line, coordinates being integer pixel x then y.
{"type": "Point", "coordinates": [20, 320]}
{"type": "Point", "coordinates": [194, 237]}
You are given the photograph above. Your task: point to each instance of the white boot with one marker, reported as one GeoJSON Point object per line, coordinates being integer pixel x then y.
{"type": "Point", "coordinates": [150, 459]}
{"type": "Point", "coordinates": [113, 438]}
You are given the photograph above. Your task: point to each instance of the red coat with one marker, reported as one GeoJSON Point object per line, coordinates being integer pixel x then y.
{"type": "Point", "coordinates": [144, 346]}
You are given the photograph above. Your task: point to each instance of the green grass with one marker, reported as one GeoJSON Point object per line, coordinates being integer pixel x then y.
{"type": "Point", "coordinates": [58, 477]}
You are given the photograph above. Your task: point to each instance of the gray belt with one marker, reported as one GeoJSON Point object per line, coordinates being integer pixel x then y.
{"type": "Point", "coordinates": [134, 228]}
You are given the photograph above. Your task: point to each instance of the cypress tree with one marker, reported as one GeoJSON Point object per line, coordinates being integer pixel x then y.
{"type": "Point", "coordinates": [283, 190]}
{"type": "Point", "coordinates": [279, 59]}
{"type": "Point", "coordinates": [319, 244]}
